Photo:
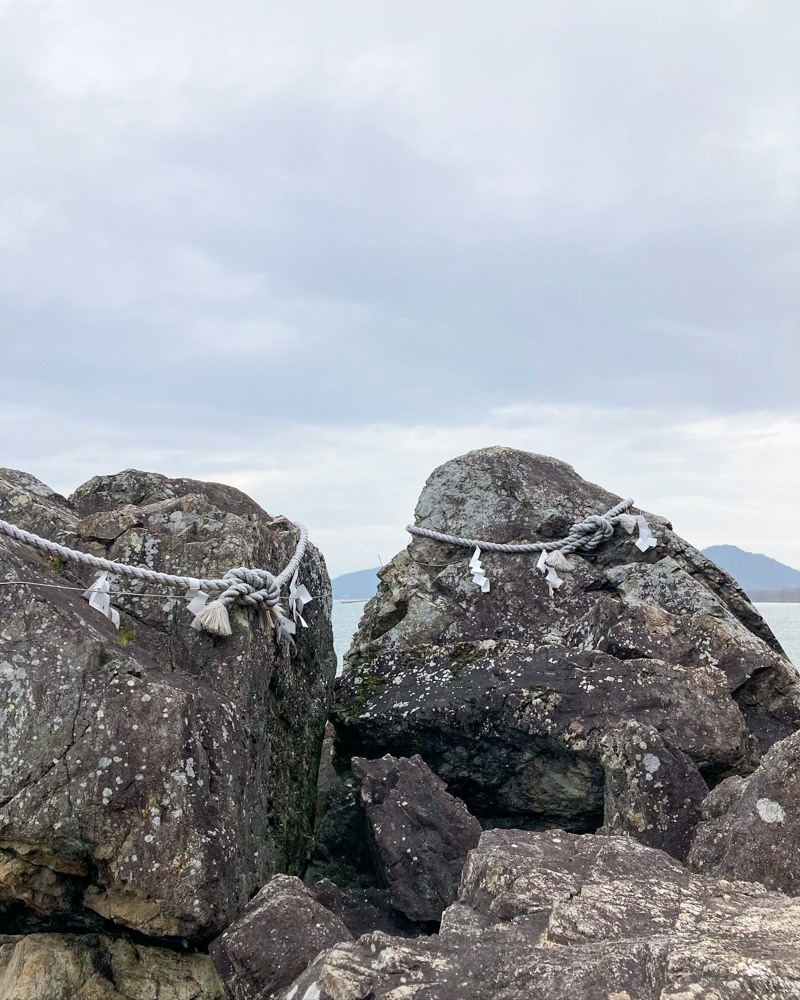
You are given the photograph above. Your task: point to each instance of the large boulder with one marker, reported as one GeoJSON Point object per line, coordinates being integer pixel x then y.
{"type": "Point", "coordinates": [751, 826]}
{"type": "Point", "coordinates": [156, 776]}
{"type": "Point", "coordinates": [553, 916]}
{"type": "Point", "coordinates": [653, 791]}
{"type": "Point", "coordinates": [510, 695]}
{"type": "Point", "coordinates": [280, 932]}
{"type": "Point", "coordinates": [421, 834]}
{"type": "Point", "coordinates": [98, 967]}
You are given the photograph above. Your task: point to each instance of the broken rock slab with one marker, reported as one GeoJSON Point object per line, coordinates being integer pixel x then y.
{"type": "Point", "coordinates": [652, 792]}
{"type": "Point", "coordinates": [507, 695]}
{"type": "Point", "coordinates": [153, 777]}
{"type": "Point", "coordinates": [750, 827]}
{"type": "Point", "coordinates": [98, 967]}
{"type": "Point", "coordinates": [421, 834]}
{"type": "Point", "coordinates": [280, 932]}
{"type": "Point", "coordinates": [553, 916]}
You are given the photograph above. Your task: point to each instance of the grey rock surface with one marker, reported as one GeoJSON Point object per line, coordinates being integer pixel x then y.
{"type": "Point", "coordinates": [280, 932]}
{"type": "Point", "coordinates": [98, 967]}
{"type": "Point", "coordinates": [421, 834]}
{"type": "Point", "coordinates": [508, 695]}
{"type": "Point", "coordinates": [154, 777]}
{"type": "Point", "coordinates": [553, 916]}
{"type": "Point", "coordinates": [653, 791]}
{"type": "Point", "coordinates": [750, 827]}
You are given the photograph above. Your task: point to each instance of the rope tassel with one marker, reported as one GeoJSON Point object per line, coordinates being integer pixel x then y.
{"type": "Point", "coordinates": [214, 618]}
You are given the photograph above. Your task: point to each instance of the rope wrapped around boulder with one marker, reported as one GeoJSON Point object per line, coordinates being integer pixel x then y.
{"type": "Point", "coordinates": [241, 585]}
{"type": "Point", "coordinates": [583, 536]}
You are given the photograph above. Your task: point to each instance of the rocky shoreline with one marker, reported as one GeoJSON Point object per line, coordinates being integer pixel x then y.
{"type": "Point", "coordinates": [586, 795]}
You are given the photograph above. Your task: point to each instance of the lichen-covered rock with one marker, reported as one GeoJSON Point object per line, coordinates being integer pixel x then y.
{"type": "Point", "coordinates": [280, 932]}
{"type": "Point", "coordinates": [421, 834]}
{"type": "Point", "coordinates": [153, 776]}
{"type": "Point", "coordinates": [552, 916]}
{"type": "Point", "coordinates": [653, 791]}
{"type": "Point", "coordinates": [507, 694]}
{"type": "Point", "coordinates": [750, 827]}
{"type": "Point", "coordinates": [97, 967]}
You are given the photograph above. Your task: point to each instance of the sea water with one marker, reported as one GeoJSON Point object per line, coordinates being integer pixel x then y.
{"type": "Point", "coordinates": [783, 619]}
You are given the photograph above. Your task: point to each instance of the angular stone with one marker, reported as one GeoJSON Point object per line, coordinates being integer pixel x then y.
{"type": "Point", "coordinates": [341, 851]}
{"type": "Point", "coordinates": [516, 731]}
{"type": "Point", "coordinates": [750, 827]}
{"type": "Point", "coordinates": [97, 967]}
{"type": "Point", "coordinates": [280, 932]}
{"type": "Point", "coordinates": [508, 694]}
{"type": "Point", "coordinates": [162, 775]}
{"type": "Point", "coordinates": [421, 833]}
{"type": "Point", "coordinates": [364, 910]}
{"type": "Point", "coordinates": [653, 791]}
{"type": "Point", "coordinates": [553, 916]}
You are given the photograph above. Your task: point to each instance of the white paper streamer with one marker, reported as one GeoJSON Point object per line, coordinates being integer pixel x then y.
{"type": "Point", "coordinates": [298, 598]}
{"type": "Point", "coordinates": [541, 565]}
{"type": "Point", "coordinates": [197, 601]}
{"type": "Point", "coordinates": [99, 598]}
{"type": "Point", "coordinates": [478, 572]}
{"type": "Point", "coordinates": [646, 540]}
{"type": "Point", "coordinates": [554, 581]}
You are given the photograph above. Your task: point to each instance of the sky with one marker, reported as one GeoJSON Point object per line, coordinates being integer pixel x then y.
{"type": "Point", "coordinates": [313, 250]}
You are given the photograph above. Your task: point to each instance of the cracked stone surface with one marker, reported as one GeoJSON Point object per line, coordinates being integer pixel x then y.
{"type": "Point", "coordinates": [653, 791]}
{"type": "Point", "coordinates": [97, 967]}
{"type": "Point", "coordinates": [750, 827]}
{"type": "Point", "coordinates": [508, 695]}
{"type": "Point", "coordinates": [154, 777]}
{"type": "Point", "coordinates": [279, 933]}
{"type": "Point", "coordinates": [420, 833]}
{"type": "Point", "coordinates": [554, 916]}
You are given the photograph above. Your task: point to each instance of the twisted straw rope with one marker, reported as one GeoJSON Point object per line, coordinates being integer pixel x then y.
{"type": "Point", "coordinates": [247, 586]}
{"type": "Point", "coordinates": [585, 535]}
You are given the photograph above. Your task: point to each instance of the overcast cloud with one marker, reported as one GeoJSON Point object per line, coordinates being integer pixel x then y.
{"type": "Point", "coordinates": [314, 249]}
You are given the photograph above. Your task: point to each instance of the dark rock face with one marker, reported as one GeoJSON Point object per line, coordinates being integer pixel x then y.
{"type": "Point", "coordinates": [364, 910]}
{"type": "Point", "coordinates": [552, 916]}
{"type": "Point", "coordinates": [653, 791]}
{"type": "Point", "coordinates": [97, 967]}
{"type": "Point", "coordinates": [153, 776]}
{"type": "Point", "coordinates": [421, 833]}
{"type": "Point", "coordinates": [341, 851]}
{"type": "Point", "coordinates": [751, 826]}
{"type": "Point", "coordinates": [508, 695]}
{"type": "Point", "coordinates": [279, 933]}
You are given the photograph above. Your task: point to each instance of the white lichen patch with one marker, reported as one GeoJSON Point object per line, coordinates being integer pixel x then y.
{"type": "Point", "coordinates": [651, 763]}
{"type": "Point", "coordinates": [770, 811]}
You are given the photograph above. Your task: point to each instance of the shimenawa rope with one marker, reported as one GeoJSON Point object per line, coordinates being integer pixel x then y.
{"type": "Point", "coordinates": [583, 536]}
{"type": "Point", "coordinates": [251, 587]}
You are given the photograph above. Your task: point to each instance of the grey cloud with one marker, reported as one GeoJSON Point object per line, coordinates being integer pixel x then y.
{"type": "Point", "coordinates": [271, 216]}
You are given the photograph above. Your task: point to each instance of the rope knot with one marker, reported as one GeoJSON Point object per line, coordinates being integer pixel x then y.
{"type": "Point", "coordinates": [592, 531]}
{"type": "Point", "coordinates": [254, 587]}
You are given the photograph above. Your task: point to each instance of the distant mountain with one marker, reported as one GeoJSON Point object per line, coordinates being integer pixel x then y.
{"type": "Point", "coordinates": [362, 583]}
{"type": "Point", "coordinates": [753, 572]}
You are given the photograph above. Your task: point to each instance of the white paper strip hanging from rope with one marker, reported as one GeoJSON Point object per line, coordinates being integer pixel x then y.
{"type": "Point", "coordinates": [99, 598]}
{"type": "Point", "coordinates": [646, 539]}
{"type": "Point", "coordinates": [299, 596]}
{"type": "Point", "coordinates": [478, 573]}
